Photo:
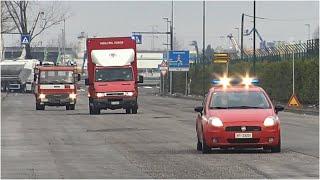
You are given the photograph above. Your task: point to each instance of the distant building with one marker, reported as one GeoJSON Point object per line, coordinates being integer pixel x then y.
{"type": "Point", "coordinates": [39, 53]}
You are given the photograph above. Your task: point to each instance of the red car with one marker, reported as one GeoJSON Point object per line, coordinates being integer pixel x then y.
{"type": "Point", "coordinates": [238, 115]}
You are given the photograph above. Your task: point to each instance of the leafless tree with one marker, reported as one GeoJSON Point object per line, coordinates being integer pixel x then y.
{"type": "Point", "coordinates": [7, 24]}
{"type": "Point", "coordinates": [32, 19]}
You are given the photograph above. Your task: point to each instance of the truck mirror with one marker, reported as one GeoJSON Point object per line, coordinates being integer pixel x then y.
{"type": "Point", "coordinates": [86, 81]}
{"type": "Point", "coordinates": [140, 79]}
{"type": "Point", "coordinates": [79, 77]}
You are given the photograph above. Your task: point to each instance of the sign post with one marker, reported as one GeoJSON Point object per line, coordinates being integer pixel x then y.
{"type": "Point", "coordinates": [178, 61]}
{"type": "Point", "coordinates": [163, 67]}
{"type": "Point", "coordinates": [293, 101]}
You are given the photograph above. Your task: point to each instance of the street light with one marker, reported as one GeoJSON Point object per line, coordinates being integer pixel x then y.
{"type": "Point", "coordinates": [203, 43]}
{"type": "Point", "coordinates": [308, 25]}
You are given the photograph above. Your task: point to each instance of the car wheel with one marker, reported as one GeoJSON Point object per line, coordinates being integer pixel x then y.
{"type": "Point", "coordinates": [128, 111]}
{"type": "Point", "coordinates": [277, 148]}
{"type": "Point", "coordinates": [205, 148]}
{"type": "Point", "coordinates": [67, 107]}
{"type": "Point", "coordinates": [199, 146]}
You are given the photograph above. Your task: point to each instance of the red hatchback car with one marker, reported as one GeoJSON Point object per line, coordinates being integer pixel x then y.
{"type": "Point", "coordinates": [238, 116]}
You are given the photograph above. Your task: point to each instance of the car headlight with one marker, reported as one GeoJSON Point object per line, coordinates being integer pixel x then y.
{"type": "Point", "coordinates": [215, 121]}
{"type": "Point", "coordinates": [42, 96]}
{"type": "Point", "coordinates": [128, 93]}
{"type": "Point", "coordinates": [270, 121]}
{"type": "Point", "coordinates": [100, 94]}
{"type": "Point", "coordinates": [72, 96]}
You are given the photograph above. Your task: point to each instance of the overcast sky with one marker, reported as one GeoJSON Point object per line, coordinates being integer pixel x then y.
{"type": "Point", "coordinates": [286, 22]}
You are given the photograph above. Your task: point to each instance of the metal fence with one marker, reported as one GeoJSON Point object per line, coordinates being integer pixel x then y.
{"type": "Point", "coordinates": [282, 52]}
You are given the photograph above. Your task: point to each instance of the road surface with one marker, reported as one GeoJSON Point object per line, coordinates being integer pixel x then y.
{"type": "Point", "coordinates": [158, 142]}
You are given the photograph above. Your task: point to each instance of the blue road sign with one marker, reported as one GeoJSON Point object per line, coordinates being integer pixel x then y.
{"type": "Point", "coordinates": [137, 38]}
{"type": "Point", "coordinates": [178, 60]}
{"type": "Point", "coordinates": [25, 39]}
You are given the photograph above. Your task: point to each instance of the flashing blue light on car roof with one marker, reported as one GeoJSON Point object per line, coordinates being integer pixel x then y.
{"type": "Point", "coordinates": [236, 81]}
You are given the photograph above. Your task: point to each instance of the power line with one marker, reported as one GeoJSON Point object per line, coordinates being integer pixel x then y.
{"type": "Point", "coordinates": [281, 20]}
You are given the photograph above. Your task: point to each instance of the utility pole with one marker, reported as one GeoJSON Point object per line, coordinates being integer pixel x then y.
{"type": "Point", "coordinates": [171, 43]}
{"type": "Point", "coordinates": [242, 19]}
{"type": "Point", "coordinates": [203, 45]}
{"type": "Point", "coordinates": [254, 37]}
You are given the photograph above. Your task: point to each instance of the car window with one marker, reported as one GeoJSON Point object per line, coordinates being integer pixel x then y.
{"type": "Point", "coordinates": [239, 100]}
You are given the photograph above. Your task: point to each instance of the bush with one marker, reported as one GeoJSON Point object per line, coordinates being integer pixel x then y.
{"type": "Point", "coordinates": [275, 77]}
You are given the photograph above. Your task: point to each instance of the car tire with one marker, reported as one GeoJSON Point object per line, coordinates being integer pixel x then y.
{"type": "Point", "coordinates": [199, 146]}
{"type": "Point", "coordinates": [67, 107]}
{"type": "Point", "coordinates": [128, 111]}
{"type": "Point", "coordinates": [277, 148]}
{"type": "Point", "coordinates": [205, 148]}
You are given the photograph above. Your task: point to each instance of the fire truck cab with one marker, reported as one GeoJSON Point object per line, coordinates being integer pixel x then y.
{"type": "Point", "coordinates": [56, 86]}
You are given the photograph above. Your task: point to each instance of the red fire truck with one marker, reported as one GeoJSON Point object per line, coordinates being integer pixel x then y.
{"type": "Point", "coordinates": [56, 86]}
{"type": "Point", "coordinates": [112, 74]}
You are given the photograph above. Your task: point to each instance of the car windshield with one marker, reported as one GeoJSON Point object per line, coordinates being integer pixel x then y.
{"type": "Point", "coordinates": [113, 74]}
{"type": "Point", "coordinates": [56, 77]}
{"type": "Point", "coordinates": [239, 100]}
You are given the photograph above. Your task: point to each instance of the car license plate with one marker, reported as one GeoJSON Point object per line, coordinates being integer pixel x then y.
{"type": "Point", "coordinates": [115, 102]}
{"type": "Point", "coordinates": [243, 135]}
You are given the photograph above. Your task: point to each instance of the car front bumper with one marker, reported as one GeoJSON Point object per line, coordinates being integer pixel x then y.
{"type": "Point", "coordinates": [219, 137]}
{"type": "Point", "coordinates": [114, 103]}
{"type": "Point", "coordinates": [56, 102]}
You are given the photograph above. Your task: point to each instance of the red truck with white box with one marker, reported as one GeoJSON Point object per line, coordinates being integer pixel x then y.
{"type": "Point", "coordinates": [112, 74]}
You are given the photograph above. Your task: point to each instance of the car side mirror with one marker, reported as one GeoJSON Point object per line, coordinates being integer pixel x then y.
{"type": "Point", "coordinates": [79, 77]}
{"type": "Point", "coordinates": [140, 79]}
{"type": "Point", "coordinates": [278, 108]}
{"type": "Point", "coordinates": [86, 81]}
{"type": "Point", "coordinates": [198, 109]}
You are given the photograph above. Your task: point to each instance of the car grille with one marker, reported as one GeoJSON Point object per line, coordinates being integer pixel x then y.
{"type": "Point", "coordinates": [238, 128]}
{"type": "Point", "coordinates": [57, 96]}
{"type": "Point", "coordinates": [251, 140]}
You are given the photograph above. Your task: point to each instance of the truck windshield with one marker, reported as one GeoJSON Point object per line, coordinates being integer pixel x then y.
{"type": "Point", "coordinates": [113, 74]}
{"type": "Point", "coordinates": [56, 77]}
{"type": "Point", "coordinates": [239, 100]}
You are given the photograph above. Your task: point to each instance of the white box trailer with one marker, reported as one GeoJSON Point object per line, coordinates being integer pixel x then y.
{"type": "Point", "coordinates": [17, 75]}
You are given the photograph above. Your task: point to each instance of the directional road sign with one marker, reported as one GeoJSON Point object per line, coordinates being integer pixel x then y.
{"type": "Point", "coordinates": [178, 61]}
{"type": "Point", "coordinates": [25, 39]}
{"type": "Point", "coordinates": [221, 58]}
{"type": "Point", "coordinates": [137, 38]}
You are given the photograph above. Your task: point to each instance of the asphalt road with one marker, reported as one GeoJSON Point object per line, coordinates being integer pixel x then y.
{"type": "Point", "coordinates": [158, 142]}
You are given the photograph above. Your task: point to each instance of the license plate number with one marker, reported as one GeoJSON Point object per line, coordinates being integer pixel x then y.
{"type": "Point", "coordinates": [243, 135]}
{"type": "Point", "coordinates": [115, 102]}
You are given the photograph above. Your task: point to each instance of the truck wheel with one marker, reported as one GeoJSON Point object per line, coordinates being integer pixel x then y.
{"type": "Point", "coordinates": [39, 107]}
{"type": "Point", "coordinates": [72, 107]}
{"type": "Point", "coordinates": [134, 110]}
{"type": "Point", "coordinates": [128, 111]}
{"type": "Point", "coordinates": [93, 110]}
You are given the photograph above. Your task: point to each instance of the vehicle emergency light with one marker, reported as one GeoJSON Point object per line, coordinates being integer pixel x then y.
{"type": "Point", "coordinates": [228, 81]}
